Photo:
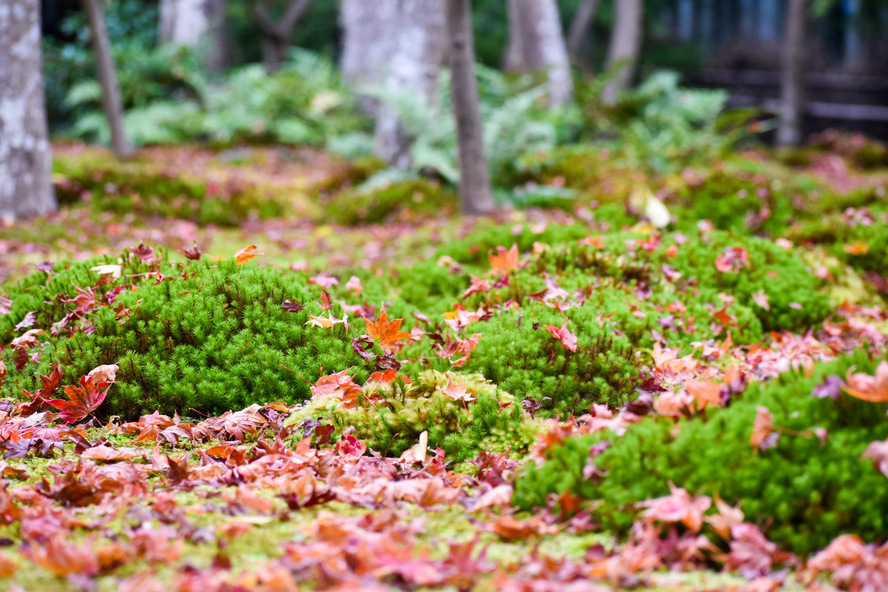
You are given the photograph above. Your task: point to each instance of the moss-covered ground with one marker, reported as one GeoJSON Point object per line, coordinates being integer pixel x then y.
{"type": "Point", "coordinates": [619, 380]}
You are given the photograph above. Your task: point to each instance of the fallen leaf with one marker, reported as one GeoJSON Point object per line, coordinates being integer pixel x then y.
{"type": "Point", "coordinates": [878, 452]}
{"type": "Point", "coordinates": [28, 339]}
{"type": "Point", "coordinates": [386, 333]}
{"type": "Point", "coordinates": [503, 259]}
{"type": "Point", "coordinates": [109, 454]}
{"type": "Point", "coordinates": [868, 388]}
{"type": "Point", "coordinates": [83, 400]}
{"type": "Point", "coordinates": [857, 248]}
{"type": "Point", "coordinates": [762, 430]}
{"type": "Point", "coordinates": [246, 254]}
{"type": "Point", "coordinates": [5, 305]}
{"type": "Point", "coordinates": [567, 339]}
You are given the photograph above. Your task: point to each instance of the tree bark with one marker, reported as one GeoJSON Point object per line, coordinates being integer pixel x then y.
{"type": "Point", "coordinates": [536, 43]}
{"type": "Point", "coordinates": [25, 156]}
{"type": "Point", "coordinates": [198, 24]}
{"type": "Point", "coordinates": [276, 35]}
{"type": "Point", "coordinates": [111, 102]}
{"type": "Point", "coordinates": [625, 46]}
{"type": "Point", "coordinates": [792, 92]}
{"type": "Point", "coordinates": [414, 67]}
{"type": "Point", "coordinates": [475, 191]}
{"type": "Point", "coordinates": [367, 45]}
{"type": "Point", "coordinates": [579, 28]}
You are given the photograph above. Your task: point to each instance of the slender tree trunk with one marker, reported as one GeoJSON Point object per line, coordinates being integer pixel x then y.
{"type": "Point", "coordinates": [111, 103]}
{"type": "Point", "coordinates": [25, 156]}
{"type": "Point", "coordinates": [367, 45]}
{"type": "Point", "coordinates": [625, 45]}
{"type": "Point", "coordinates": [475, 191]}
{"type": "Point", "coordinates": [579, 28]}
{"type": "Point", "coordinates": [276, 35]}
{"type": "Point", "coordinates": [536, 43]}
{"type": "Point", "coordinates": [198, 24]}
{"type": "Point", "coordinates": [414, 67]}
{"type": "Point", "coordinates": [792, 107]}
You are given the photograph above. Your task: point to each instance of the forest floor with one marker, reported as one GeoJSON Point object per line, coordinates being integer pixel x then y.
{"type": "Point", "coordinates": [588, 397]}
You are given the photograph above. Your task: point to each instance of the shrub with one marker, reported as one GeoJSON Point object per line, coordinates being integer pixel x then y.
{"type": "Point", "coordinates": [805, 492]}
{"type": "Point", "coordinates": [211, 337]}
{"type": "Point", "coordinates": [390, 417]}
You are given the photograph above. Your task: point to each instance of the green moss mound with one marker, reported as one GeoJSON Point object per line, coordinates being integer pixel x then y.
{"type": "Point", "coordinates": [519, 354]}
{"type": "Point", "coordinates": [209, 337]}
{"type": "Point", "coordinates": [144, 189]}
{"type": "Point", "coordinates": [793, 291]}
{"type": "Point", "coordinates": [390, 418]}
{"type": "Point", "coordinates": [738, 201]}
{"type": "Point", "coordinates": [403, 199]}
{"type": "Point", "coordinates": [805, 493]}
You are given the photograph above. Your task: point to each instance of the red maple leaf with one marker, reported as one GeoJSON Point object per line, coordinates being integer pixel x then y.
{"type": "Point", "coordinates": [83, 400]}
{"type": "Point", "coordinates": [567, 339]}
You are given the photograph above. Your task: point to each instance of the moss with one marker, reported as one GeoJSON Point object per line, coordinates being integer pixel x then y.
{"type": "Point", "coordinates": [397, 201]}
{"type": "Point", "coordinates": [212, 337]}
{"type": "Point", "coordinates": [805, 492]}
{"type": "Point", "coordinates": [588, 169]}
{"type": "Point", "coordinates": [391, 417]}
{"type": "Point", "coordinates": [143, 188]}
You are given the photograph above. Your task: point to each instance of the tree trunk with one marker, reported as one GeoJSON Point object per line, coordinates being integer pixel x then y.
{"type": "Point", "coordinates": [475, 192]}
{"type": "Point", "coordinates": [413, 68]}
{"type": "Point", "coordinates": [625, 45]}
{"type": "Point", "coordinates": [579, 28]}
{"type": "Point", "coordinates": [198, 24]}
{"type": "Point", "coordinates": [536, 43]}
{"type": "Point", "coordinates": [111, 103]}
{"type": "Point", "coordinates": [276, 35]}
{"type": "Point", "coordinates": [792, 107]}
{"type": "Point", "coordinates": [367, 45]}
{"type": "Point", "coordinates": [25, 156]}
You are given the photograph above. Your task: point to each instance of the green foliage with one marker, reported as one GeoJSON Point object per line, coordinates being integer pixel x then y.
{"type": "Point", "coordinates": [146, 73]}
{"type": "Point", "coordinates": [212, 337]}
{"type": "Point", "coordinates": [512, 111]}
{"type": "Point", "coordinates": [143, 189]}
{"type": "Point", "coordinates": [805, 493]}
{"type": "Point", "coordinates": [369, 204]}
{"type": "Point", "coordinates": [661, 127]}
{"type": "Point", "coordinates": [391, 417]}
{"type": "Point", "coordinates": [303, 103]}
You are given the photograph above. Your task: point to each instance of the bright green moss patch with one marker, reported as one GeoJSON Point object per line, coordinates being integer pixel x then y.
{"type": "Point", "coordinates": [210, 337]}
{"type": "Point", "coordinates": [463, 415]}
{"type": "Point", "coordinates": [803, 490]}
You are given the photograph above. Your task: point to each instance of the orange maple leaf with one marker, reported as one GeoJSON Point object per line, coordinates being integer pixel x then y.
{"type": "Point", "coordinates": [504, 260]}
{"type": "Point", "coordinates": [245, 254]}
{"type": "Point", "coordinates": [385, 332]}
